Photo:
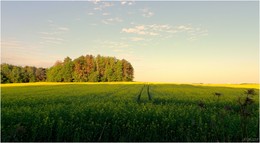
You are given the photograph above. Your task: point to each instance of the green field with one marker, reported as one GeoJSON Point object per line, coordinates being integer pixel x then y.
{"type": "Point", "coordinates": [128, 112]}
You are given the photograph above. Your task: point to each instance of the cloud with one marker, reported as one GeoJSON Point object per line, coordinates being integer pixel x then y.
{"type": "Point", "coordinates": [105, 14]}
{"type": "Point", "coordinates": [118, 45]}
{"type": "Point", "coordinates": [123, 2]}
{"type": "Point", "coordinates": [95, 1]}
{"type": "Point", "coordinates": [135, 39]}
{"type": "Point", "coordinates": [56, 42]}
{"type": "Point", "coordinates": [127, 2]}
{"type": "Point", "coordinates": [146, 13]}
{"type": "Point", "coordinates": [112, 20]}
{"type": "Point", "coordinates": [182, 27]}
{"type": "Point", "coordinates": [63, 28]}
{"type": "Point", "coordinates": [140, 30]}
{"type": "Point", "coordinates": [101, 5]}
{"type": "Point", "coordinates": [166, 30]}
{"type": "Point", "coordinates": [115, 46]}
{"type": "Point", "coordinates": [11, 44]}
{"type": "Point", "coordinates": [54, 36]}
{"type": "Point", "coordinates": [136, 30]}
{"type": "Point", "coordinates": [50, 33]}
{"type": "Point", "coordinates": [193, 32]}
{"type": "Point", "coordinates": [90, 13]}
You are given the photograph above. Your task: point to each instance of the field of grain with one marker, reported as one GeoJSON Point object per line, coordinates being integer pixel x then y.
{"type": "Point", "coordinates": [128, 112]}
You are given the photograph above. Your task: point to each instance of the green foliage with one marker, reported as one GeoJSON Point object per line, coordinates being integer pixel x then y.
{"type": "Point", "coordinates": [40, 74]}
{"type": "Point", "coordinates": [55, 73]}
{"type": "Point", "coordinates": [16, 74]}
{"type": "Point", "coordinates": [6, 71]}
{"type": "Point", "coordinates": [127, 112]}
{"type": "Point", "coordinates": [91, 69]}
{"type": "Point", "coordinates": [67, 70]}
{"type": "Point", "coordinates": [83, 69]}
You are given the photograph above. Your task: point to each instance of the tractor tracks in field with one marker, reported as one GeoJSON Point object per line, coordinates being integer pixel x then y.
{"type": "Point", "coordinates": [145, 91]}
{"type": "Point", "coordinates": [120, 89]}
{"type": "Point", "coordinates": [148, 93]}
{"type": "Point", "coordinates": [140, 94]}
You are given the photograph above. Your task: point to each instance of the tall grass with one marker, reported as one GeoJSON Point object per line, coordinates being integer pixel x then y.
{"type": "Point", "coordinates": [113, 112]}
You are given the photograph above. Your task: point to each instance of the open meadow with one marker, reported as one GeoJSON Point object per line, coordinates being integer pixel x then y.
{"type": "Point", "coordinates": [129, 111]}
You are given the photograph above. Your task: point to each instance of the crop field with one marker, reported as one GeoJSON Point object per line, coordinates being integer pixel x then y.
{"type": "Point", "coordinates": [129, 112]}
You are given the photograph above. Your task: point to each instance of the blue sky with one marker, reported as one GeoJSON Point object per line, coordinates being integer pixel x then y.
{"type": "Point", "coordinates": [171, 41]}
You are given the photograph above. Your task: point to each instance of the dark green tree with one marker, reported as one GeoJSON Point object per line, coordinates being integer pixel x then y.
{"type": "Point", "coordinates": [54, 74]}
{"type": "Point", "coordinates": [40, 74]}
{"type": "Point", "coordinates": [67, 70]}
{"type": "Point", "coordinates": [82, 69]}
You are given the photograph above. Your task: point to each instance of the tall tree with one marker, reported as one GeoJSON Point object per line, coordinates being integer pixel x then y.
{"type": "Point", "coordinates": [6, 71]}
{"type": "Point", "coordinates": [128, 71]}
{"type": "Point", "coordinates": [82, 69]}
{"type": "Point", "coordinates": [40, 74]}
{"type": "Point", "coordinates": [54, 74]}
{"type": "Point", "coordinates": [16, 75]}
{"type": "Point", "coordinates": [119, 71]}
{"type": "Point", "coordinates": [78, 73]}
{"type": "Point", "coordinates": [67, 70]}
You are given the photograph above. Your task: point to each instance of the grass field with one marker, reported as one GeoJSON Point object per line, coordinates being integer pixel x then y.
{"type": "Point", "coordinates": [134, 111]}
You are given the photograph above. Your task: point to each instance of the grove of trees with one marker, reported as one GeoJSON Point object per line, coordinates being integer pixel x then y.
{"type": "Point", "coordinates": [82, 69]}
{"type": "Point", "coordinates": [16, 74]}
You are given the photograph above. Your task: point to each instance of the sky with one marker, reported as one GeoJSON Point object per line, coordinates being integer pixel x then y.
{"type": "Point", "coordinates": [165, 41]}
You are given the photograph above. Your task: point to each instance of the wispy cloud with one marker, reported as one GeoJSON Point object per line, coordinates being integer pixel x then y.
{"type": "Point", "coordinates": [90, 13]}
{"type": "Point", "coordinates": [120, 46]}
{"type": "Point", "coordinates": [54, 36]}
{"type": "Point", "coordinates": [63, 28]}
{"type": "Point", "coordinates": [140, 30]}
{"type": "Point", "coordinates": [147, 13]}
{"type": "Point", "coordinates": [113, 44]}
{"type": "Point", "coordinates": [94, 1]}
{"type": "Point", "coordinates": [135, 39]}
{"type": "Point", "coordinates": [193, 32]}
{"type": "Point", "coordinates": [127, 2]}
{"type": "Point", "coordinates": [166, 30]}
{"type": "Point", "coordinates": [105, 13]}
{"type": "Point", "coordinates": [112, 20]}
{"type": "Point", "coordinates": [101, 5]}
{"type": "Point", "coordinates": [134, 30]}
{"type": "Point", "coordinates": [99, 8]}
{"type": "Point", "coordinates": [123, 2]}
{"type": "Point", "coordinates": [11, 44]}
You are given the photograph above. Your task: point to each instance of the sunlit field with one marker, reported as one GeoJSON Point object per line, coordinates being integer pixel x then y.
{"type": "Point", "coordinates": [64, 83]}
{"type": "Point", "coordinates": [129, 111]}
{"type": "Point", "coordinates": [256, 86]}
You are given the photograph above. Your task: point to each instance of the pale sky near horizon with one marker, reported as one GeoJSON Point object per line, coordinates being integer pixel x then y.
{"type": "Point", "coordinates": [170, 41]}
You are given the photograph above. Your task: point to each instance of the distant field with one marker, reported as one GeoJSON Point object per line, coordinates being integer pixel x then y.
{"type": "Point", "coordinates": [130, 111]}
{"type": "Point", "coordinates": [256, 86]}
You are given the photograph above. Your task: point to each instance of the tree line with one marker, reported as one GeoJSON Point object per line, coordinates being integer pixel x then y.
{"type": "Point", "coordinates": [82, 69]}
{"type": "Point", "coordinates": [17, 74]}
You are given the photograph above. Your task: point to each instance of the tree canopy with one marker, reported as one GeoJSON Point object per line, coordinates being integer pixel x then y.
{"type": "Point", "coordinates": [82, 69]}
{"type": "Point", "coordinates": [17, 74]}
